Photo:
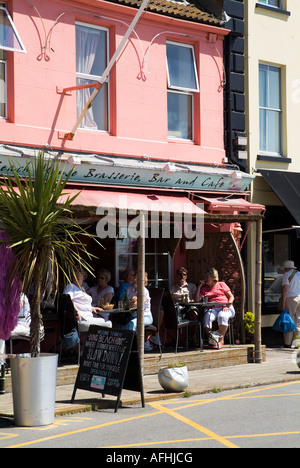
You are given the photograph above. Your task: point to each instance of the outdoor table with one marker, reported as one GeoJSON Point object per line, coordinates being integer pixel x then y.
{"type": "Point", "coordinates": [119, 311]}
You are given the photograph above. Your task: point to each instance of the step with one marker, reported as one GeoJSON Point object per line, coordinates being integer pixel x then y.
{"type": "Point", "coordinates": [195, 360]}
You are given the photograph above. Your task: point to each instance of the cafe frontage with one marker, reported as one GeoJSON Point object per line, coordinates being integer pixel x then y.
{"type": "Point", "coordinates": [158, 216]}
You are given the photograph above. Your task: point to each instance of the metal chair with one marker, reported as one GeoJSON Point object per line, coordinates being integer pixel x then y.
{"type": "Point", "coordinates": [230, 331]}
{"type": "Point", "coordinates": [17, 338]}
{"type": "Point", "coordinates": [156, 295]}
{"type": "Point", "coordinates": [172, 322]}
{"type": "Point", "coordinates": [67, 319]}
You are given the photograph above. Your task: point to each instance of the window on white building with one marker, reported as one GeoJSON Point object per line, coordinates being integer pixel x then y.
{"type": "Point", "coordinates": [182, 84]}
{"type": "Point", "coordinates": [271, 3]}
{"type": "Point", "coordinates": [3, 82]}
{"type": "Point", "coordinates": [91, 61]}
{"type": "Point", "coordinates": [9, 37]}
{"type": "Point", "coordinates": [270, 110]}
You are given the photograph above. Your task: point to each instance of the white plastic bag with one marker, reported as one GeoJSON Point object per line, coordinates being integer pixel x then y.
{"type": "Point", "coordinates": [174, 379]}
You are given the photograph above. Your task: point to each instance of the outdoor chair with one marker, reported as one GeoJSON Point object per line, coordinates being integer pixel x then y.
{"type": "Point", "coordinates": [21, 337]}
{"type": "Point", "coordinates": [172, 322]}
{"type": "Point", "coordinates": [156, 295]}
{"type": "Point", "coordinates": [230, 331]}
{"type": "Point", "coordinates": [17, 338]}
{"type": "Point", "coordinates": [67, 319]}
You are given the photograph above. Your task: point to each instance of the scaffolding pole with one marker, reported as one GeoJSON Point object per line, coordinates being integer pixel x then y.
{"type": "Point", "coordinates": [70, 136]}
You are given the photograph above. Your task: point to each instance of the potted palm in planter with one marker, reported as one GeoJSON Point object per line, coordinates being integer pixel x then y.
{"type": "Point", "coordinates": [45, 239]}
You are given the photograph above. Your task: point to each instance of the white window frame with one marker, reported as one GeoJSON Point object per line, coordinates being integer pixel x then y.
{"type": "Point", "coordinates": [267, 3]}
{"type": "Point", "coordinates": [96, 78]}
{"type": "Point", "coordinates": [3, 61]}
{"type": "Point", "coordinates": [178, 88]}
{"type": "Point", "coordinates": [271, 109]}
{"type": "Point", "coordinates": [183, 90]}
{"type": "Point", "coordinates": [14, 29]}
{"type": "Point", "coordinates": [157, 281]}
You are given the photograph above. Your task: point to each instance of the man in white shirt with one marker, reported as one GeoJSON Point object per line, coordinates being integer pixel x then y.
{"type": "Point", "coordinates": [291, 300]}
{"type": "Point", "coordinates": [182, 287]}
{"type": "Point", "coordinates": [187, 290]}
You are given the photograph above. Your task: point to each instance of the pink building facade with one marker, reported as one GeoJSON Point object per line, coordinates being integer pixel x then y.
{"type": "Point", "coordinates": [156, 126]}
{"type": "Point", "coordinates": [38, 115]}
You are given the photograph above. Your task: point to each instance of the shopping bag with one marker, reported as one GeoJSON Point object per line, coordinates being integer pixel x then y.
{"type": "Point", "coordinates": [284, 323]}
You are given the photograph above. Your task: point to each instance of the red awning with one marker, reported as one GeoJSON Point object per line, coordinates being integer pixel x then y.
{"type": "Point", "coordinates": [134, 201]}
{"type": "Point", "coordinates": [231, 205]}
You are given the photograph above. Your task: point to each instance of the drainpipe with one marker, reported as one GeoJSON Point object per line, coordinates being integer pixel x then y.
{"type": "Point", "coordinates": [70, 136]}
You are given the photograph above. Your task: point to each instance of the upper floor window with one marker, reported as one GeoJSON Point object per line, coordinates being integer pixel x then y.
{"type": "Point", "coordinates": [9, 37]}
{"type": "Point", "coordinates": [91, 61]}
{"type": "Point", "coordinates": [3, 81]}
{"type": "Point", "coordinates": [276, 6]}
{"type": "Point", "coordinates": [272, 3]}
{"type": "Point", "coordinates": [182, 84]}
{"type": "Point", "coordinates": [270, 110]}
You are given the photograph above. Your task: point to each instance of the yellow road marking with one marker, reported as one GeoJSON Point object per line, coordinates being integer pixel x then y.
{"type": "Point", "coordinates": [85, 429]}
{"type": "Point", "coordinates": [199, 439]}
{"type": "Point", "coordinates": [164, 410]}
{"type": "Point", "coordinates": [203, 429]}
{"type": "Point", "coordinates": [4, 436]}
{"type": "Point", "coordinates": [236, 395]}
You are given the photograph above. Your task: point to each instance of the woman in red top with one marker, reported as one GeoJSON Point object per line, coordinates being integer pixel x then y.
{"type": "Point", "coordinates": [216, 291]}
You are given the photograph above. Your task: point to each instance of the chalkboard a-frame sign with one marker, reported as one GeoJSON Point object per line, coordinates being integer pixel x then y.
{"type": "Point", "coordinates": [110, 362]}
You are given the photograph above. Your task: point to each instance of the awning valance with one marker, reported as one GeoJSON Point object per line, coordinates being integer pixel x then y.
{"type": "Point", "coordinates": [286, 185]}
{"type": "Point", "coordinates": [133, 201]}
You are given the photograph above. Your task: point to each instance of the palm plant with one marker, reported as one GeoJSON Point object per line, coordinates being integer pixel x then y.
{"type": "Point", "coordinates": [43, 234]}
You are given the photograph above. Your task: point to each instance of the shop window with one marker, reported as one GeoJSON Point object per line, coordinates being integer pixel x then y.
{"type": "Point", "coordinates": [182, 84]}
{"type": "Point", "coordinates": [3, 83]}
{"type": "Point", "coordinates": [270, 110]}
{"type": "Point", "coordinates": [157, 261]}
{"type": "Point", "coordinates": [9, 37]}
{"type": "Point", "coordinates": [91, 61]}
{"type": "Point", "coordinates": [276, 248]}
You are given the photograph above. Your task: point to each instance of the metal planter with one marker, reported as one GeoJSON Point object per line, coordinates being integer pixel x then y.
{"type": "Point", "coordinates": [34, 389]}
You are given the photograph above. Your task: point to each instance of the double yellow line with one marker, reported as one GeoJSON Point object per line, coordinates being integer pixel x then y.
{"type": "Point", "coordinates": [162, 409]}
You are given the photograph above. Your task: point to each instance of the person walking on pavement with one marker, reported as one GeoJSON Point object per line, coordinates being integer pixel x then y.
{"type": "Point", "coordinates": [291, 300]}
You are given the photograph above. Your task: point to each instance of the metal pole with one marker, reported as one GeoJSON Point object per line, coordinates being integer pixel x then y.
{"type": "Point", "coordinates": [140, 290]}
{"type": "Point", "coordinates": [107, 70]}
{"type": "Point", "coordinates": [257, 330]}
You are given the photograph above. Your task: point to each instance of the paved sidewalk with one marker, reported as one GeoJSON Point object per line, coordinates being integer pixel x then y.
{"type": "Point", "coordinates": [280, 366]}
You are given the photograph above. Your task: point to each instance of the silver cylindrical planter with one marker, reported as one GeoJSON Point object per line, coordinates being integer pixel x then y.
{"type": "Point", "coordinates": [34, 389]}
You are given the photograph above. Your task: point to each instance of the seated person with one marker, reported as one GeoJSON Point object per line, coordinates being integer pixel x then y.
{"type": "Point", "coordinates": [216, 291]}
{"type": "Point", "coordinates": [24, 319]}
{"type": "Point", "coordinates": [183, 288]}
{"type": "Point", "coordinates": [102, 293]}
{"type": "Point", "coordinates": [148, 319]}
{"type": "Point", "coordinates": [86, 314]}
{"type": "Point", "coordinates": [128, 276]}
